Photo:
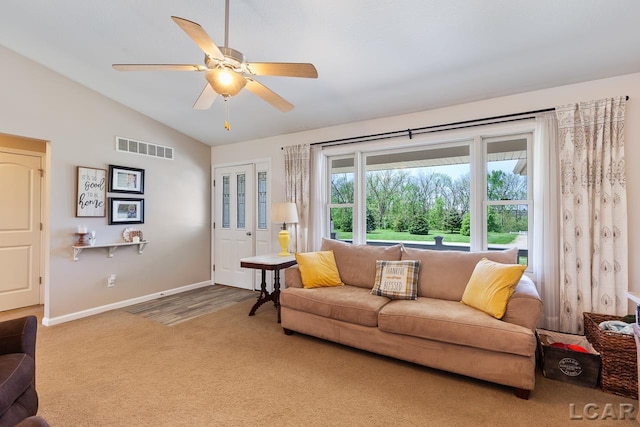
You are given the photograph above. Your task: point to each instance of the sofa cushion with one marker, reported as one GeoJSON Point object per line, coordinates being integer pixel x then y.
{"type": "Point", "coordinates": [16, 376]}
{"type": "Point", "coordinates": [445, 274]}
{"type": "Point", "coordinates": [455, 323]}
{"type": "Point", "coordinates": [396, 279]}
{"type": "Point", "coordinates": [346, 303]}
{"type": "Point", "coordinates": [318, 269]}
{"type": "Point", "coordinates": [491, 285]}
{"type": "Point", "coordinates": [357, 263]}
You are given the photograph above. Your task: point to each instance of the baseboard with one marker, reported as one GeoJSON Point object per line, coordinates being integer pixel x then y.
{"type": "Point", "coordinates": [120, 304]}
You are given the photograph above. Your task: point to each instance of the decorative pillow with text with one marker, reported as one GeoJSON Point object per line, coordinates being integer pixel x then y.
{"type": "Point", "coordinates": [397, 279]}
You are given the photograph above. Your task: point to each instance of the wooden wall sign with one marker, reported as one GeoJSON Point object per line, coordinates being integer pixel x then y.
{"type": "Point", "coordinates": [91, 192]}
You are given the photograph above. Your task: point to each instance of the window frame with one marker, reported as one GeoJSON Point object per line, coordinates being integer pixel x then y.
{"type": "Point", "coordinates": [528, 202]}
{"type": "Point", "coordinates": [476, 138]}
{"type": "Point", "coordinates": [329, 205]}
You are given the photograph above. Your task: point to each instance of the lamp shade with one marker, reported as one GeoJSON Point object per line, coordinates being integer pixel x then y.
{"type": "Point", "coordinates": [224, 81]}
{"type": "Point", "coordinates": [285, 213]}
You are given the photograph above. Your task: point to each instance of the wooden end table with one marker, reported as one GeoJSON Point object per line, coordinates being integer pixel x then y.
{"type": "Point", "coordinates": [271, 262]}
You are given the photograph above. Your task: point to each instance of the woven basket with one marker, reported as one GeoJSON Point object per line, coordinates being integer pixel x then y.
{"type": "Point", "coordinates": [619, 373]}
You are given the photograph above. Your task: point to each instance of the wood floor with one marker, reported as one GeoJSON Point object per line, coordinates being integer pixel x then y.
{"type": "Point", "coordinates": [178, 308]}
{"type": "Point", "coordinates": [35, 310]}
{"type": "Point", "coordinates": [169, 310]}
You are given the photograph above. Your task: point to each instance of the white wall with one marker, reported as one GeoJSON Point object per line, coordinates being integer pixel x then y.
{"type": "Point", "coordinates": [81, 126]}
{"type": "Point", "coordinates": [623, 85]}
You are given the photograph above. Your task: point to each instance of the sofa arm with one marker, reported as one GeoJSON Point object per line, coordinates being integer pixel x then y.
{"type": "Point", "coordinates": [19, 336]}
{"type": "Point", "coordinates": [292, 277]}
{"type": "Point", "coordinates": [525, 306]}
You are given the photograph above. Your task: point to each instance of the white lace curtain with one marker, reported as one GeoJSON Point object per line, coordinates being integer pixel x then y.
{"type": "Point", "coordinates": [593, 261]}
{"type": "Point", "coordinates": [296, 168]}
{"type": "Point", "coordinates": [318, 196]}
{"type": "Point", "coordinates": [546, 214]}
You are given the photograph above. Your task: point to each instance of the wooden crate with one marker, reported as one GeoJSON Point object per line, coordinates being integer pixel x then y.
{"type": "Point", "coordinates": [566, 365]}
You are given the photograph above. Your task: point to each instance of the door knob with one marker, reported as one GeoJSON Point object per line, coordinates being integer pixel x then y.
{"type": "Point", "coordinates": [248, 233]}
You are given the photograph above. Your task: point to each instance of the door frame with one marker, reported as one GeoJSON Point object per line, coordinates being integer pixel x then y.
{"type": "Point", "coordinates": [258, 164]}
{"type": "Point", "coordinates": [45, 197]}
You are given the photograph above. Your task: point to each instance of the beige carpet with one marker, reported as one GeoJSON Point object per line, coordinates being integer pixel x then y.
{"type": "Point", "coordinates": [229, 369]}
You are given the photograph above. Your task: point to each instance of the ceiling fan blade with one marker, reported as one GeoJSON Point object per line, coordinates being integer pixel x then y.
{"type": "Point", "coordinates": [268, 95]}
{"type": "Point", "coordinates": [206, 98]}
{"type": "Point", "coordinates": [200, 36]}
{"type": "Point", "coordinates": [159, 67]}
{"type": "Point", "coordinates": [285, 69]}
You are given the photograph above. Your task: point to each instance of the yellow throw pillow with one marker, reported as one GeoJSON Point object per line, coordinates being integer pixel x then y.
{"type": "Point", "coordinates": [491, 285]}
{"type": "Point", "coordinates": [318, 269]}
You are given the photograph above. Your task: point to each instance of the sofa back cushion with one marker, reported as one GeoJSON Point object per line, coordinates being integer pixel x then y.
{"type": "Point", "coordinates": [357, 263]}
{"type": "Point", "coordinates": [445, 274]}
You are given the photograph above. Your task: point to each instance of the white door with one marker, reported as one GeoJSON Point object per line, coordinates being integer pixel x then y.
{"type": "Point", "coordinates": [234, 225]}
{"type": "Point", "coordinates": [20, 235]}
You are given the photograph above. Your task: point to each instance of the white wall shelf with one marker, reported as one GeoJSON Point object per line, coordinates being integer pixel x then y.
{"type": "Point", "coordinates": [111, 247]}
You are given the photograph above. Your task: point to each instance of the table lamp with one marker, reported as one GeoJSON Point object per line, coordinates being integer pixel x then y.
{"type": "Point", "coordinates": [285, 213]}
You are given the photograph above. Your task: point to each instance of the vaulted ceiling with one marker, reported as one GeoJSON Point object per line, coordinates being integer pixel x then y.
{"type": "Point", "coordinates": [375, 58]}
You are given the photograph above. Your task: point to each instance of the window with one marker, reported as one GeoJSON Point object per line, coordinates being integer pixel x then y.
{"type": "Point", "coordinates": [342, 196]}
{"type": "Point", "coordinates": [262, 200]}
{"type": "Point", "coordinates": [411, 195]}
{"type": "Point", "coordinates": [468, 193]}
{"type": "Point", "coordinates": [507, 193]}
{"type": "Point", "coordinates": [226, 197]}
{"type": "Point", "coordinates": [240, 200]}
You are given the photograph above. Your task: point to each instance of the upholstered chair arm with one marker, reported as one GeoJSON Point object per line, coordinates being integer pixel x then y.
{"type": "Point", "coordinates": [33, 421]}
{"type": "Point", "coordinates": [19, 336]}
{"type": "Point", "coordinates": [525, 306]}
{"type": "Point", "coordinates": [292, 277]}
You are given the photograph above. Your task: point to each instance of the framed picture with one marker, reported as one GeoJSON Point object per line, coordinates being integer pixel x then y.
{"type": "Point", "coordinates": [126, 180]}
{"type": "Point", "coordinates": [126, 211]}
{"type": "Point", "coordinates": [90, 192]}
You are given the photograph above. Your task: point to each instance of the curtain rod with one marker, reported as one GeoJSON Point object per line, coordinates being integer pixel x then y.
{"type": "Point", "coordinates": [436, 128]}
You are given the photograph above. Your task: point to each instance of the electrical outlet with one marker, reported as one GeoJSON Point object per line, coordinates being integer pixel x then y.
{"type": "Point", "coordinates": [111, 281]}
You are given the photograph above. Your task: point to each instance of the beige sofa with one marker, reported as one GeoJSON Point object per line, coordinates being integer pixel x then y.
{"type": "Point", "coordinates": [436, 330]}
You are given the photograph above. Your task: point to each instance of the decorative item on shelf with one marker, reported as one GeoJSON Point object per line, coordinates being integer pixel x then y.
{"type": "Point", "coordinates": [82, 235]}
{"type": "Point", "coordinates": [92, 237]}
{"type": "Point", "coordinates": [132, 235]}
{"type": "Point", "coordinates": [285, 213]}
{"type": "Point", "coordinates": [136, 236]}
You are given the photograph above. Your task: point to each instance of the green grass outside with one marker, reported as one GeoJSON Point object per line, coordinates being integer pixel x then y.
{"type": "Point", "coordinates": [494, 238]}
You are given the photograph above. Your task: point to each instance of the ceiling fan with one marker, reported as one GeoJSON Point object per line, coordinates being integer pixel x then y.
{"type": "Point", "coordinates": [226, 69]}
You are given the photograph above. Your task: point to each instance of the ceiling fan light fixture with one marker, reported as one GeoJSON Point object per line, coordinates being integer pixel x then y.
{"type": "Point", "coordinates": [225, 82]}
{"type": "Point", "coordinates": [226, 69]}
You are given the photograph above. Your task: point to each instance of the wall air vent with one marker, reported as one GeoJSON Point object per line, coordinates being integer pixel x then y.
{"type": "Point", "coordinates": [144, 148]}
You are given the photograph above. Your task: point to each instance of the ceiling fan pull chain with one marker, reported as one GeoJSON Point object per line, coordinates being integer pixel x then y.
{"type": "Point", "coordinates": [227, 125]}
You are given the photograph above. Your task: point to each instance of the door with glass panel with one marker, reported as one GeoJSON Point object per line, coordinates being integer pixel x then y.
{"type": "Point", "coordinates": [233, 225]}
